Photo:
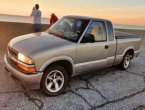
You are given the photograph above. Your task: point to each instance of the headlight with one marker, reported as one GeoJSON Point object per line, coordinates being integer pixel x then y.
{"type": "Point", "coordinates": [24, 59]}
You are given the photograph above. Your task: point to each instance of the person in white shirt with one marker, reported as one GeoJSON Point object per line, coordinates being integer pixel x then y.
{"type": "Point", "coordinates": [36, 14]}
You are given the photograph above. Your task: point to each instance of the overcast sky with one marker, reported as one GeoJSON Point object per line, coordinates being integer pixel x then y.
{"type": "Point", "coordinates": [119, 11]}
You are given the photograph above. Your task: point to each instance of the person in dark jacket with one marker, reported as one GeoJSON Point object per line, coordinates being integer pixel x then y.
{"type": "Point", "coordinates": [53, 19]}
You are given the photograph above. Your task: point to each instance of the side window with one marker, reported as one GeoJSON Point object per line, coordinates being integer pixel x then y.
{"type": "Point", "coordinates": [110, 31]}
{"type": "Point", "coordinates": [98, 30]}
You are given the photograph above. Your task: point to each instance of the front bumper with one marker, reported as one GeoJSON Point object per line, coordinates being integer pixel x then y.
{"type": "Point", "coordinates": [33, 80]}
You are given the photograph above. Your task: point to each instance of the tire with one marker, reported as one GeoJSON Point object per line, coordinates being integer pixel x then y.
{"type": "Point", "coordinates": [54, 80]}
{"type": "Point", "coordinates": [126, 61]}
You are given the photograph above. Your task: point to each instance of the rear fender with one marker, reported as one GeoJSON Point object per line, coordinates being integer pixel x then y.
{"type": "Point", "coordinates": [127, 49]}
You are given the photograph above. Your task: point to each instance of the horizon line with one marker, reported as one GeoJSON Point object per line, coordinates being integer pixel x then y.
{"type": "Point", "coordinates": [65, 15]}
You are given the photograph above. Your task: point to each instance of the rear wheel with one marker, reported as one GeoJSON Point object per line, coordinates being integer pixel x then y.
{"type": "Point", "coordinates": [126, 61]}
{"type": "Point", "coordinates": [54, 80]}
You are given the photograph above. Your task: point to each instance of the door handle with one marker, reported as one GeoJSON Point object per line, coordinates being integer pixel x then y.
{"type": "Point", "coordinates": [106, 46]}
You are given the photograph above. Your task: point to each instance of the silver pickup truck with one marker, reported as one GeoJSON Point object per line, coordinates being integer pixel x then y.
{"type": "Point", "coordinates": [72, 46]}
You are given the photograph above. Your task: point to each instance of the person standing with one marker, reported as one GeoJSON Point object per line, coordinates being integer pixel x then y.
{"type": "Point", "coordinates": [53, 19]}
{"type": "Point", "coordinates": [36, 14]}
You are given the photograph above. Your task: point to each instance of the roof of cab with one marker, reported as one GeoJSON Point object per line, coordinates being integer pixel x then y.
{"type": "Point", "coordinates": [86, 17]}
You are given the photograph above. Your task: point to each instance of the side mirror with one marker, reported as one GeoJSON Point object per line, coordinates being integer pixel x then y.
{"type": "Point", "coordinates": [88, 38]}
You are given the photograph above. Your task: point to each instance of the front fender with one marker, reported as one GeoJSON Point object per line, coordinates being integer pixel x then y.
{"type": "Point", "coordinates": [67, 58]}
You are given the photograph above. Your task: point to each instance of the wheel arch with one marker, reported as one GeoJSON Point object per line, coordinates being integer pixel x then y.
{"type": "Point", "coordinates": [64, 61]}
{"type": "Point", "coordinates": [130, 50]}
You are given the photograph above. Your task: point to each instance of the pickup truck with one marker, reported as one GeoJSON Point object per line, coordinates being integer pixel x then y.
{"type": "Point", "coordinates": [73, 45]}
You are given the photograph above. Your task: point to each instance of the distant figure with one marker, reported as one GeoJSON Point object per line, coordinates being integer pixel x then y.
{"type": "Point", "coordinates": [53, 19]}
{"type": "Point", "coordinates": [36, 14]}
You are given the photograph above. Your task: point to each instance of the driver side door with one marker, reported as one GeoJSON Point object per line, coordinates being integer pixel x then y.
{"type": "Point", "coordinates": [93, 55]}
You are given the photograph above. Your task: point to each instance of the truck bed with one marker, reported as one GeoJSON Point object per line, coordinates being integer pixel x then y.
{"type": "Point", "coordinates": [126, 41]}
{"type": "Point", "coordinates": [125, 35]}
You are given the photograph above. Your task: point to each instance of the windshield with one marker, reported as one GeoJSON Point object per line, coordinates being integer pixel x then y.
{"type": "Point", "coordinates": [69, 28]}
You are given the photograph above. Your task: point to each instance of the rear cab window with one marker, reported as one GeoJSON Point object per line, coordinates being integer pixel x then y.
{"type": "Point", "coordinates": [110, 30]}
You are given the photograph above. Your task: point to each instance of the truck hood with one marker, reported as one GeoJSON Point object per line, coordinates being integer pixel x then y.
{"type": "Point", "coordinates": [37, 42]}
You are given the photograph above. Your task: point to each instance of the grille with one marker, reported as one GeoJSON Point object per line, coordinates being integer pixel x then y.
{"type": "Point", "coordinates": [12, 53]}
{"type": "Point", "coordinates": [12, 63]}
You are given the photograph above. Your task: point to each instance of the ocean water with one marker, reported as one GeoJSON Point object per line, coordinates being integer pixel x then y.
{"type": "Point", "coordinates": [21, 19]}
{"type": "Point", "coordinates": [28, 19]}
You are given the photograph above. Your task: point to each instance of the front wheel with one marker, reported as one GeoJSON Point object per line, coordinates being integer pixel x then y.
{"type": "Point", "coordinates": [126, 61]}
{"type": "Point", "coordinates": [54, 80]}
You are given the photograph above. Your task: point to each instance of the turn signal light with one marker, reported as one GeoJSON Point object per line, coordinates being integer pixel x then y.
{"type": "Point", "coordinates": [27, 69]}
